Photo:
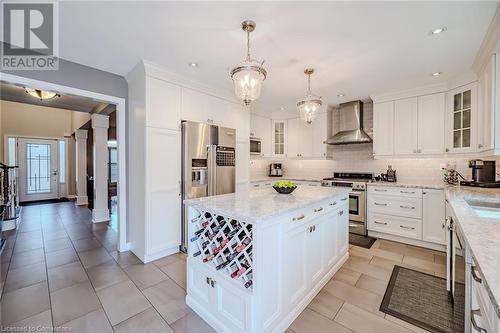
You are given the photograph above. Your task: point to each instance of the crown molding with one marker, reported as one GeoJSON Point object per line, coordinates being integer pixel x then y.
{"type": "Point", "coordinates": [490, 44]}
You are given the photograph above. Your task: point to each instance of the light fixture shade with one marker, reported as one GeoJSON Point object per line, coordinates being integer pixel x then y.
{"type": "Point", "coordinates": [309, 108]}
{"type": "Point", "coordinates": [41, 94]}
{"type": "Point", "coordinates": [247, 79]}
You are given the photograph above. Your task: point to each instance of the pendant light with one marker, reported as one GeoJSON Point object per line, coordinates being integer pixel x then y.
{"type": "Point", "coordinates": [309, 106]}
{"type": "Point", "coordinates": [248, 75]}
{"type": "Point", "coordinates": [41, 94]}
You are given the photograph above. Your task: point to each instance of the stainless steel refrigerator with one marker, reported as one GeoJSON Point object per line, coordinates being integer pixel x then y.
{"type": "Point", "coordinates": [208, 164]}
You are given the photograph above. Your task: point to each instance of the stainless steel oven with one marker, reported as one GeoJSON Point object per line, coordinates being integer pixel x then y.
{"type": "Point", "coordinates": [357, 206]}
{"type": "Point", "coordinates": [255, 146]}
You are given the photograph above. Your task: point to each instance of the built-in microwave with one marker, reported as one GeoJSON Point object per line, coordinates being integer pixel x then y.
{"type": "Point", "coordinates": [255, 146]}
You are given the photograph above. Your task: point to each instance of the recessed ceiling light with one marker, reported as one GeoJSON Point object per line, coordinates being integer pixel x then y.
{"type": "Point", "coordinates": [436, 73]}
{"type": "Point", "coordinates": [437, 31]}
{"type": "Point", "coordinates": [340, 95]}
{"type": "Point", "coordinates": [193, 64]}
{"type": "Point", "coordinates": [282, 108]}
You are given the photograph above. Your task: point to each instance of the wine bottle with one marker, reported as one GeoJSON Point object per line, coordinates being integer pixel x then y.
{"type": "Point", "coordinates": [195, 219]}
{"type": "Point", "coordinates": [248, 284]}
{"type": "Point", "coordinates": [199, 232]}
{"type": "Point", "coordinates": [208, 258]}
{"type": "Point", "coordinates": [205, 224]}
{"type": "Point", "coordinates": [224, 264]}
{"type": "Point", "coordinates": [204, 244]}
{"type": "Point", "coordinates": [217, 249]}
{"type": "Point", "coordinates": [224, 242]}
{"type": "Point", "coordinates": [232, 233]}
{"type": "Point", "coordinates": [196, 254]}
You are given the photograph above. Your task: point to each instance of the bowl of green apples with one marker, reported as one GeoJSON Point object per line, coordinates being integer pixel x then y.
{"type": "Point", "coordinates": [284, 187]}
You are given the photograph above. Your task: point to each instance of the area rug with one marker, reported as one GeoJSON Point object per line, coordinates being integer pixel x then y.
{"type": "Point", "coordinates": [363, 241]}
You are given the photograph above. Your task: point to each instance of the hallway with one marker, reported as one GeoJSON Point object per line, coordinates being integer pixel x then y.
{"type": "Point", "coordinates": [61, 270]}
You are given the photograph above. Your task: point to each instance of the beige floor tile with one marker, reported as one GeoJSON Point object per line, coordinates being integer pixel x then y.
{"type": "Point", "coordinates": [372, 284]}
{"type": "Point", "coordinates": [148, 321]}
{"type": "Point", "coordinates": [37, 234]}
{"type": "Point", "coordinates": [42, 319]}
{"type": "Point", "coordinates": [440, 258]}
{"type": "Point", "coordinates": [25, 276]}
{"type": "Point", "coordinates": [94, 257]}
{"type": "Point", "coordinates": [360, 252]}
{"type": "Point", "coordinates": [384, 263]}
{"type": "Point", "coordinates": [424, 265]}
{"type": "Point", "coordinates": [73, 302]}
{"type": "Point", "coordinates": [398, 257]}
{"type": "Point", "coordinates": [86, 244]}
{"type": "Point", "coordinates": [145, 275]}
{"type": "Point", "coordinates": [122, 301]}
{"type": "Point", "coordinates": [419, 253]}
{"type": "Point", "coordinates": [61, 257]}
{"type": "Point", "coordinates": [177, 272]}
{"type": "Point", "coordinates": [309, 321]}
{"type": "Point", "coordinates": [166, 260]}
{"type": "Point", "coordinates": [326, 304]}
{"type": "Point", "coordinates": [347, 275]}
{"type": "Point", "coordinates": [357, 296]}
{"type": "Point", "coordinates": [105, 275]}
{"type": "Point", "coordinates": [66, 275]}
{"type": "Point", "coordinates": [405, 324]}
{"type": "Point", "coordinates": [169, 300]}
{"type": "Point", "coordinates": [26, 245]}
{"type": "Point", "coordinates": [27, 258]}
{"type": "Point", "coordinates": [95, 321]}
{"type": "Point", "coordinates": [392, 246]}
{"type": "Point", "coordinates": [125, 258]}
{"type": "Point", "coordinates": [57, 244]}
{"type": "Point", "coordinates": [24, 303]}
{"type": "Point", "coordinates": [191, 323]}
{"type": "Point", "coordinates": [368, 269]}
{"type": "Point", "coordinates": [53, 234]}
{"type": "Point", "coordinates": [362, 321]}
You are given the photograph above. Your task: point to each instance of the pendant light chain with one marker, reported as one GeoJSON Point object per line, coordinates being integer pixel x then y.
{"type": "Point", "coordinates": [309, 84]}
{"type": "Point", "coordinates": [248, 45]}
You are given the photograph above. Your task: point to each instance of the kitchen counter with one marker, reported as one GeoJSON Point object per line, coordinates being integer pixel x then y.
{"type": "Point", "coordinates": [255, 205]}
{"type": "Point", "coordinates": [481, 234]}
{"type": "Point", "coordinates": [438, 186]}
{"type": "Point", "coordinates": [276, 179]}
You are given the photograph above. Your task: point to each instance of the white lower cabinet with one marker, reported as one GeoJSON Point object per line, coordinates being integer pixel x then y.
{"type": "Point", "coordinates": [433, 216]}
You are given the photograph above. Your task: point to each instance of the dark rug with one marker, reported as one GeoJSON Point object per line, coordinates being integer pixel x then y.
{"type": "Point", "coordinates": [43, 202]}
{"type": "Point", "coordinates": [363, 241]}
{"type": "Point", "coordinates": [421, 299]}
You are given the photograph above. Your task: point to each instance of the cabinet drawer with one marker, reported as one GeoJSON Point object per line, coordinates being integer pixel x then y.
{"type": "Point", "coordinates": [488, 318]}
{"type": "Point", "coordinates": [397, 191]}
{"type": "Point", "coordinates": [395, 225]}
{"type": "Point", "coordinates": [400, 206]}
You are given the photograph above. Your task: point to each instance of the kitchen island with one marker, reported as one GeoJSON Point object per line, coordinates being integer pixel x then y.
{"type": "Point", "coordinates": [257, 258]}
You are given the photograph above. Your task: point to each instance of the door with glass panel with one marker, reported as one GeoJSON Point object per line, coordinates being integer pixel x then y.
{"type": "Point", "coordinates": [462, 114]}
{"type": "Point", "coordinates": [38, 169]}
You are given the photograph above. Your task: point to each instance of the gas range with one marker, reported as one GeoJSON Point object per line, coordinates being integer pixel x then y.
{"type": "Point", "coordinates": [357, 181]}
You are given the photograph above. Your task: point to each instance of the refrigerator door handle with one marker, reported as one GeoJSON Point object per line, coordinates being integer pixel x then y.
{"type": "Point", "coordinates": [211, 170]}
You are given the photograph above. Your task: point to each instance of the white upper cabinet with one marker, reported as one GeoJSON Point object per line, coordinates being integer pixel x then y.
{"type": "Point", "coordinates": [279, 131]}
{"type": "Point", "coordinates": [383, 128]}
{"type": "Point", "coordinates": [405, 126]}
{"type": "Point", "coordinates": [486, 107]}
{"type": "Point", "coordinates": [319, 135]}
{"type": "Point", "coordinates": [163, 104]}
{"type": "Point", "coordinates": [461, 119]}
{"type": "Point", "coordinates": [431, 124]}
{"type": "Point", "coordinates": [260, 127]}
{"type": "Point", "coordinates": [294, 142]}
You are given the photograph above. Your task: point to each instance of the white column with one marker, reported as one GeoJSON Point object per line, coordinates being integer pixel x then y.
{"type": "Point", "coordinates": [100, 124]}
{"type": "Point", "coordinates": [81, 167]}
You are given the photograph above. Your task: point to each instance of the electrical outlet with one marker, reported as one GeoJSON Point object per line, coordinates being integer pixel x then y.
{"type": "Point", "coordinates": [442, 166]}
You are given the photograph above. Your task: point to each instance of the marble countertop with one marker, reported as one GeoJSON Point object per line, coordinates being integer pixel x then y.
{"type": "Point", "coordinates": [256, 205]}
{"type": "Point", "coordinates": [438, 186]}
{"type": "Point", "coordinates": [481, 234]}
{"type": "Point", "coordinates": [276, 179]}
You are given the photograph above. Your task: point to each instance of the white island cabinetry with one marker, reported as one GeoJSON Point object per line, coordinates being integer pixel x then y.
{"type": "Point", "coordinates": [279, 250]}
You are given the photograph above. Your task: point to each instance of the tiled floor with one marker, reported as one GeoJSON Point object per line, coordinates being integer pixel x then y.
{"type": "Point", "coordinates": [60, 269]}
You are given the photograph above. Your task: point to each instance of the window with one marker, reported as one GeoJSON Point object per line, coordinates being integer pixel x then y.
{"type": "Point", "coordinates": [62, 161]}
{"type": "Point", "coordinates": [113, 164]}
{"type": "Point", "coordinates": [12, 151]}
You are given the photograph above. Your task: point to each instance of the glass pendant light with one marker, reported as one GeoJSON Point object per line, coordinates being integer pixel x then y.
{"type": "Point", "coordinates": [248, 75]}
{"type": "Point", "coordinates": [309, 106]}
{"type": "Point", "coordinates": [41, 94]}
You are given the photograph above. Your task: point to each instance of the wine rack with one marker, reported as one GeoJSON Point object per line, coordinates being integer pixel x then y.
{"type": "Point", "coordinates": [225, 244]}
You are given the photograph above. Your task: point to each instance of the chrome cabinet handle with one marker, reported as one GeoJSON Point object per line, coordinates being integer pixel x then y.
{"type": "Point", "coordinates": [341, 213]}
{"type": "Point", "coordinates": [407, 192]}
{"type": "Point", "coordinates": [343, 199]}
{"type": "Point", "coordinates": [377, 190]}
{"type": "Point", "coordinates": [474, 275]}
{"type": "Point", "coordinates": [383, 223]}
{"type": "Point", "coordinates": [473, 321]}
{"type": "Point", "coordinates": [298, 218]}
{"type": "Point", "coordinates": [318, 209]}
{"type": "Point", "coordinates": [209, 280]}
{"type": "Point", "coordinates": [406, 207]}
{"type": "Point", "coordinates": [212, 283]}
{"type": "Point", "coordinates": [379, 204]}
{"type": "Point", "coordinates": [333, 203]}
{"type": "Point", "coordinates": [408, 228]}
{"type": "Point", "coordinates": [414, 151]}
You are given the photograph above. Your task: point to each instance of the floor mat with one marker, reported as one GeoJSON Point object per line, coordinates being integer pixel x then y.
{"type": "Point", "coordinates": [363, 241]}
{"type": "Point", "coordinates": [421, 299]}
{"type": "Point", "coordinates": [43, 202]}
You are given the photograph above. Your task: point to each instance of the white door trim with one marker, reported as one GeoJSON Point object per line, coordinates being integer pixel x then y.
{"type": "Point", "coordinates": [121, 140]}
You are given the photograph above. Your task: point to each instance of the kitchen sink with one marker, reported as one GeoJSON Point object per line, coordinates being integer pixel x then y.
{"type": "Point", "coordinates": [485, 209]}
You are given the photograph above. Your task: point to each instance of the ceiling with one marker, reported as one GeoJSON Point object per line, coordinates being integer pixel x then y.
{"type": "Point", "coordinates": [357, 48]}
{"type": "Point", "coordinates": [14, 93]}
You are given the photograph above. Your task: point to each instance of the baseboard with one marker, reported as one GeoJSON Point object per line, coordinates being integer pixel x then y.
{"type": "Point", "coordinates": [293, 314]}
{"type": "Point", "coordinates": [161, 254]}
{"type": "Point", "coordinates": [207, 316]}
{"type": "Point", "coordinates": [81, 200]}
{"type": "Point", "coordinates": [10, 224]}
{"type": "Point", "coordinates": [410, 241]}
{"type": "Point", "coordinates": [100, 215]}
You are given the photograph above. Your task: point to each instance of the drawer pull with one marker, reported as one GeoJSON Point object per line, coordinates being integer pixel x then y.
{"type": "Point", "coordinates": [333, 203]}
{"type": "Point", "coordinates": [298, 218]}
{"type": "Point", "coordinates": [406, 207]}
{"type": "Point", "coordinates": [378, 190]}
{"type": "Point", "coordinates": [318, 209]}
{"type": "Point", "coordinates": [383, 223]}
{"type": "Point", "coordinates": [408, 228]}
{"type": "Point", "coordinates": [474, 275]}
{"type": "Point", "coordinates": [343, 199]}
{"type": "Point", "coordinates": [379, 204]}
{"type": "Point", "coordinates": [407, 192]}
{"type": "Point", "coordinates": [473, 321]}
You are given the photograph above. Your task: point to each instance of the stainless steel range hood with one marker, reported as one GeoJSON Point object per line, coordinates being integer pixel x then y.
{"type": "Point", "coordinates": [351, 125]}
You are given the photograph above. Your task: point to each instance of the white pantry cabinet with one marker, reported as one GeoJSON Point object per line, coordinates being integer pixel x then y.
{"type": "Point", "coordinates": [383, 128]}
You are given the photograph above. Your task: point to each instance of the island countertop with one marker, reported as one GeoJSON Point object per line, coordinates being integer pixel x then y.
{"type": "Point", "coordinates": [255, 205]}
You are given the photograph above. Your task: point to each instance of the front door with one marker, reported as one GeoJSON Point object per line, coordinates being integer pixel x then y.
{"type": "Point", "coordinates": [38, 169]}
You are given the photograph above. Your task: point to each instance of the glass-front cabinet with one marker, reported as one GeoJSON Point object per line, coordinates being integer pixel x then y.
{"type": "Point", "coordinates": [461, 119]}
{"type": "Point", "coordinates": [279, 135]}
